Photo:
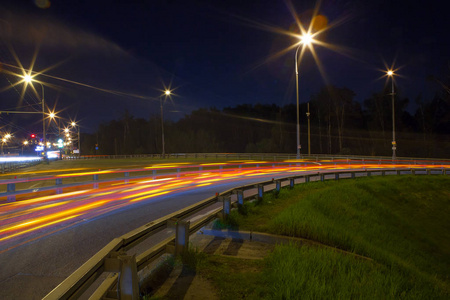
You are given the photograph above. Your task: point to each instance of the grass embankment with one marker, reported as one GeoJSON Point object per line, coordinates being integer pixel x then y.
{"type": "Point", "coordinates": [400, 224]}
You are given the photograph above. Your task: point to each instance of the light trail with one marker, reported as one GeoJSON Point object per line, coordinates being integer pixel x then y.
{"type": "Point", "coordinates": [22, 221]}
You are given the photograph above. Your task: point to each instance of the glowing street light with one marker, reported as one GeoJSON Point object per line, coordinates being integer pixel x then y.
{"type": "Point", "coordinates": [390, 73]}
{"type": "Point", "coordinates": [29, 79]}
{"type": "Point", "coordinates": [167, 93]}
{"type": "Point", "coordinates": [74, 125]}
{"type": "Point", "coordinates": [4, 140]}
{"type": "Point", "coordinates": [25, 143]}
{"type": "Point", "coordinates": [306, 39]}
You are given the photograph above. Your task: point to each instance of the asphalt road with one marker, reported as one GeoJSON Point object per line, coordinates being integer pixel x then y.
{"type": "Point", "coordinates": [34, 263]}
{"type": "Point", "coordinates": [68, 230]}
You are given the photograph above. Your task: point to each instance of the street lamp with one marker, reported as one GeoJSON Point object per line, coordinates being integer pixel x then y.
{"type": "Point", "coordinates": [305, 40]}
{"type": "Point", "coordinates": [5, 139]}
{"type": "Point", "coordinates": [166, 94]}
{"type": "Point", "coordinates": [73, 124]}
{"type": "Point", "coordinates": [3, 142]}
{"type": "Point", "coordinates": [25, 143]}
{"type": "Point", "coordinates": [391, 74]}
{"type": "Point", "coordinates": [28, 78]}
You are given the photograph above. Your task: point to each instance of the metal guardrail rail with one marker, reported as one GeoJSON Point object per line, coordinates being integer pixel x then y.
{"type": "Point", "coordinates": [122, 269]}
{"type": "Point", "coordinates": [8, 166]}
{"type": "Point", "coordinates": [261, 156]}
{"type": "Point", "coordinates": [11, 183]}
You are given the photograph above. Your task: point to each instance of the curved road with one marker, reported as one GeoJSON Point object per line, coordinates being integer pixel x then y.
{"type": "Point", "coordinates": [44, 239]}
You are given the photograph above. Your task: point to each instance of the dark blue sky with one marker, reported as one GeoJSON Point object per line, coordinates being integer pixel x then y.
{"type": "Point", "coordinates": [215, 53]}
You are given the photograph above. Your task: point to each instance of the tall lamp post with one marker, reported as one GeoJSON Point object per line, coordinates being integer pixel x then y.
{"type": "Point", "coordinates": [74, 125]}
{"type": "Point", "coordinates": [309, 131]}
{"type": "Point", "coordinates": [166, 93]}
{"type": "Point", "coordinates": [29, 79]}
{"type": "Point", "coordinates": [390, 73]}
{"type": "Point", "coordinates": [305, 40]}
{"type": "Point", "coordinates": [4, 140]}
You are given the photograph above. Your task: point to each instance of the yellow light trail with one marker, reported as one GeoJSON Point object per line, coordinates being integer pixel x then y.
{"type": "Point", "coordinates": [28, 211]}
{"type": "Point", "coordinates": [45, 198]}
{"type": "Point", "coordinates": [52, 216]}
{"type": "Point", "coordinates": [150, 196]}
{"type": "Point", "coordinates": [36, 228]}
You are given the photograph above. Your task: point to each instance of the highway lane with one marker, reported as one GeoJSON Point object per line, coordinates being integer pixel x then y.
{"type": "Point", "coordinates": [43, 240]}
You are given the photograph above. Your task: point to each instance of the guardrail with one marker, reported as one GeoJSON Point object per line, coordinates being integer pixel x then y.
{"type": "Point", "coordinates": [154, 172]}
{"type": "Point", "coordinates": [122, 268]}
{"type": "Point", "coordinates": [262, 156]}
{"type": "Point", "coordinates": [8, 166]}
{"type": "Point", "coordinates": [151, 172]}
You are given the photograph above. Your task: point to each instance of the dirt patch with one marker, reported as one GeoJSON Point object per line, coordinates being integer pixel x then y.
{"type": "Point", "coordinates": [177, 281]}
{"type": "Point", "coordinates": [184, 283]}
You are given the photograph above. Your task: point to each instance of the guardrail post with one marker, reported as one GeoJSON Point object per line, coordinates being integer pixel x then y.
{"type": "Point", "coordinates": [428, 171]}
{"type": "Point", "coordinates": [128, 279]}
{"type": "Point", "coordinates": [336, 176]}
{"type": "Point", "coordinates": [306, 178]}
{"type": "Point", "coordinates": [226, 201]}
{"type": "Point", "coordinates": [95, 185]}
{"type": "Point", "coordinates": [181, 236]}
{"type": "Point", "coordinates": [413, 172]}
{"type": "Point", "coordinates": [291, 182]}
{"type": "Point", "coordinates": [178, 172]}
{"type": "Point", "coordinates": [240, 196]}
{"type": "Point", "coordinates": [369, 173]}
{"type": "Point", "coordinates": [397, 172]}
{"type": "Point", "coordinates": [278, 185]}
{"type": "Point", "coordinates": [154, 174]}
{"type": "Point", "coordinates": [128, 282]}
{"type": "Point", "coordinates": [322, 177]}
{"type": "Point", "coordinates": [200, 168]}
{"type": "Point", "coordinates": [383, 173]}
{"type": "Point", "coordinates": [10, 187]}
{"type": "Point", "coordinates": [260, 191]}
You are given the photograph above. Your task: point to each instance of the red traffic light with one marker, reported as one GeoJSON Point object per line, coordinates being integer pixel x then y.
{"type": "Point", "coordinates": [32, 135]}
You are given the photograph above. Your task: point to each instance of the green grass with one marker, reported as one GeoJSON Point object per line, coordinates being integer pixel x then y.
{"type": "Point", "coordinates": [402, 223]}
{"type": "Point", "coordinates": [235, 278]}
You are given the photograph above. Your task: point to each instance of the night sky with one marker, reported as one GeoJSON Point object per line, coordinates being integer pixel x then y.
{"type": "Point", "coordinates": [99, 58]}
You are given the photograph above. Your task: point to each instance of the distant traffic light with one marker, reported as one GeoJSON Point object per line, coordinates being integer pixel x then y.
{"type": "Point", "coordinates": [33, 136]}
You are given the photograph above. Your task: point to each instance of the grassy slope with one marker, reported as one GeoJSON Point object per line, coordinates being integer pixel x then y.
{"type": "Point", "coordinates": [401, 223]}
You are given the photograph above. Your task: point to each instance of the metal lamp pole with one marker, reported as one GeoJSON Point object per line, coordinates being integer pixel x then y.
{"type": "Point", "coordinates": [309, 131]}
{"type": "Point", "coordinates": [30, 79]}
{"type": "Point", "coordinates": [394, 143]}
{"type": "Point", "coordinates": [298, 114]}
{"type": "Point", "coordinates": [162, 127]}
{"type": "Point", "coordinates": [43, 117]}
{"type": "Point", "coordinates": [166, 93]}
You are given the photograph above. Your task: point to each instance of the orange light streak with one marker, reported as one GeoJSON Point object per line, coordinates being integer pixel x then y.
{"type": "Point", "coordinates": [36, 228]}
{"type": "Point", "coordinates": [52, 216]}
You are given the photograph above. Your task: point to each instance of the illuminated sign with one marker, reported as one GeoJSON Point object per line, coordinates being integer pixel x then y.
{"type": "Point", "coordinates": [39, 148]}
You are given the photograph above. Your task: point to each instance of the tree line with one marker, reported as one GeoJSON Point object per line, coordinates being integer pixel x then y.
{"type": "Point", "coordinates": [338, 125]}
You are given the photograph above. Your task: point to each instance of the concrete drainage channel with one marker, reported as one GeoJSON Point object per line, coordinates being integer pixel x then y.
{"type": "Point", "coordinates": [116, 271]}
